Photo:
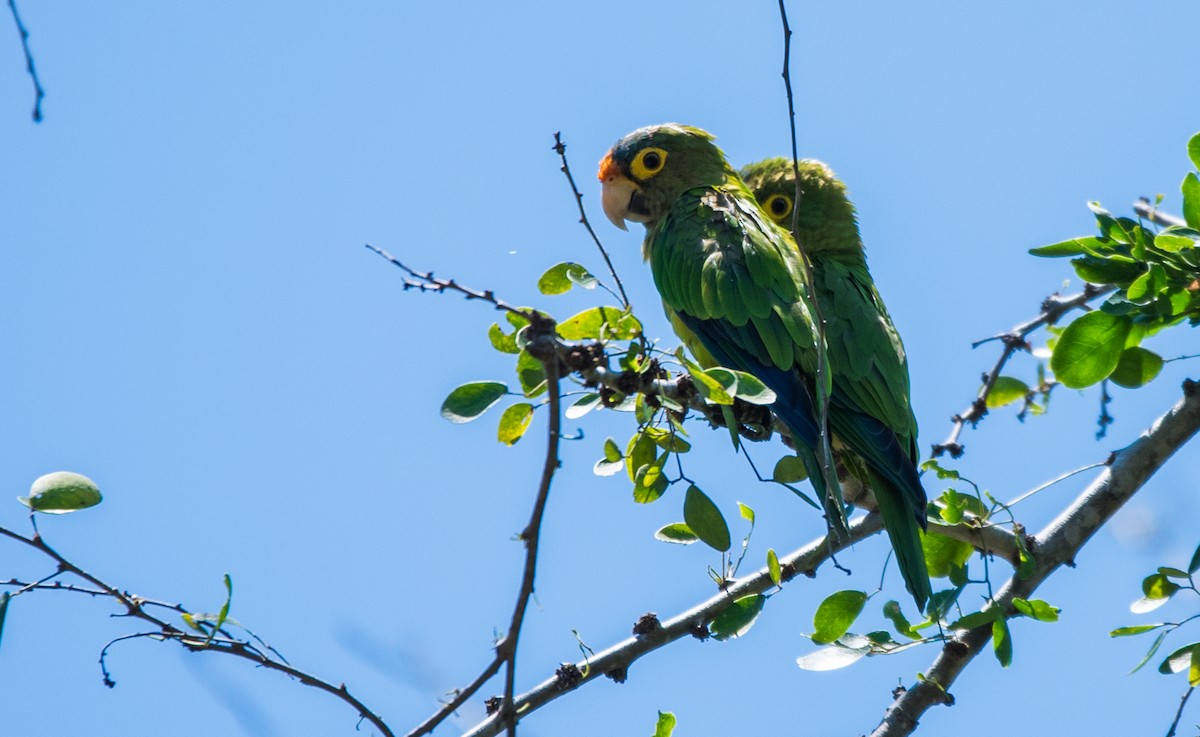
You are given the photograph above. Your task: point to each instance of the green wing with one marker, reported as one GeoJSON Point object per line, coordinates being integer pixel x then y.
{"type": "Point", "coordinates": [735, 284]}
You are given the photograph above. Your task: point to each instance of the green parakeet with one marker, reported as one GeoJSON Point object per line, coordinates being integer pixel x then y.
{"type": "Point", "coordinates": [870, 370]}
{"type": "Point", "coordinates": [734, 282]}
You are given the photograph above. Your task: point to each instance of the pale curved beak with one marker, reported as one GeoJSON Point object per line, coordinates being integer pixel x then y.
{"type": "Point", "coordinates": [616, 194]}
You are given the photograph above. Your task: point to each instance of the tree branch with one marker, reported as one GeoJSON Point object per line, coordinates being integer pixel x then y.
{"type": "Point", "coordinates": [614, 662]}
{"type": "Point", "coordinates": [38, 92]}
{"type": "Point", "coordinates": [1145, 209]}
{"type": "Point", "coordinates": [1053, 308]}
{"type": "Point", "coordinates": [1054, 546]}
{"type": "Point", "coordinates": [560, 148]}
{"type": "Point", "coordinates": [544, 346]}
{"type": "Point", "coordinates": [196, 642]}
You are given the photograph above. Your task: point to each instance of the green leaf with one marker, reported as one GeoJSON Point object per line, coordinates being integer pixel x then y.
{"type": "Point", "coordinates": [751, 390]}
{"type": "Point", "coordinates": [891, 610]}
{"type": "Point", "coordinates": [582, 406]}
{"type": "Point", "coordinates": [665, 725]}
{"type": "Point", "coordinates": [1036, 609]}
{"type": "Point", "coordinates": [1089, 349]}
{"type": "Point", "coordinates": [531, 374]}
{"type": "Point", "coordinates": [1134, 630]}
{"type": "Point", "coordinates": [746, 512]}
{"type": "Point", "coordinates": [514, 422]}
{"type": "Point", "coordinates": [1136, 368]}
{"type": "Point", "coordinates": [61, 492]}
{"type": "Point", "coordinates": [1179, 660]}
{"type": "Point", "coordinates": [469, 401]}
{"type": "Point", "coordinates": [1025, 561]}
{"type": "Point", "coordinates": [705, 519]}
{"type": "Point", "coordinates": [1173, 240]}
{"type": "Point", "coordinates": [640, 451]}
{"type": "Point", "coordinates": [773, 568]}
{"type": "Point", "coordinates": [501, 341]}
{"type": "Point", "coordinates": [223, 614]}
{"type": "Point", "coordinates": [1195, 564]}
{"type": "Point", "coordinates": [607, 468]}
{"type": "Point", "coordinates": [1158, 641]}
{"type": "Point", "coordinates": [599, 323]}
{"type": "Point", "coordinates": [832, 658]}
{"type": "Point", "coordinates": [1191, 200]}
{"type": "Point", "coordinates": [1106, 270]}
{"type": "Point", "coordinates": [678, 533]}
{"type": "Point", "coordinates": [561, 277]}
{"type": "Point", "coordinates": [1157, 586]}
{"type": "Point", "coordinates": [1194, 150]}
{"type": "Point", "coordinates": [977, 619]}
{"type": "Point", "coordinates": [668, 439]}
{"type": "Point", "coordinates": [1157, 590]}
{"type": "Point", "coordinates": [1170, 572]}
{"type": "Point", "coordinates": [737, 618]}
{"type": "Point", "coordinates": [650, 482]}
{"type": "Point", "coordinates": [1006, 390]}
{"type": "Point", "coordinates": [836, 615]}
{"type": "Point", "coordinates": [789, 470]}
{"type": "Point", "coordinates": [711, 390]}
{"type": "Point", "coordinates": [1002, 642]}
{"type": "Point", "coordinates": [942, 473]}
{"type": "Point", "coordinates": [1072, 247]}
{"type": "Point", "coordinates": [943, 553]}
{"type": "Point", "coordinates": [954, 506]}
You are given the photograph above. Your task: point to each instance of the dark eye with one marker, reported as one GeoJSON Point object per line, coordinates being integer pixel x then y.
{"type": "Point", "coordinates": [778, 206]}
{"type": "Point", "coordinates": [648, 163]}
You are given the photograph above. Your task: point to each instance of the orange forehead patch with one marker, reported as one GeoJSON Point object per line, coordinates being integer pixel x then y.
{"type": "Point", "coordinates": [608, 168]}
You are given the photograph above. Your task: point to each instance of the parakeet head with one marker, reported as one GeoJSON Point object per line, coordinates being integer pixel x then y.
{"type": "Point", "coordinates": [650, 168]}
{"type": "Point", "coordinates": [826, 221]}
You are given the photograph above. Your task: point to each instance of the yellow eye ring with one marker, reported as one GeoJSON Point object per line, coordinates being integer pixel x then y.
{"type": "Point", "coordinates": [648, 162]}
{"type": "Point", "coordinates": [778, 207]}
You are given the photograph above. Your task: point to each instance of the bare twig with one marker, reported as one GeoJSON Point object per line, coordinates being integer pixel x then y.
{"type": "Point", "coordinates": [1053, 547]}
{"type": "Point", "coordinates": [1179, 712]}
{"type": "Point", "coordinates": [820, 379]}
{"type": "Point", "coordinates": [1053, 308]}
{"type": "Point", "coordinates": [135, 607]}
{"type": "Point", "coordinates": [545, 347]}
{"type": "Point", "coordinates": [38, 92]}
{"type": "Point", "coordinates": [614, 661]}
{"type": "Point", "coordinates": [425, 281]}
{"type": "Point", "coordinates": [1146, 209]}
{"type": "Point", "coordinates": [560, 148]}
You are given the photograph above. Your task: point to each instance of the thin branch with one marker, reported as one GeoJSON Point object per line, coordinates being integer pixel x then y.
{"type": "Point", "coordinates": [1179, 712]}
{"type": "Point", "coordinates": [425, 281]}
{"type": "Point", "coordinates": [1146, 209]}
{"type": "Point", "coordinates": [987, 538]}
{"type": "Point", "coordinates": [833, 504]}
{"type": "Point", "coordinates": [543, 348]}
{"type": "Point", "coordinates": [560, 148]}
{"type": "Point", "coordinates": [1053, 547]}
{"type": "Point", "coordinates": [1053, 308]}
{"type": "Point", "coordinates": [1053, 481]}
{"type": "Point", "coordinates": [38, 92]}
{"type": "Point", "coordinates": [614, 661]}
{"type": "Point", "coordinates": [135, 607]}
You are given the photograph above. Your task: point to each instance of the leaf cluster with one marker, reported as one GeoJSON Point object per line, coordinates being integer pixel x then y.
{"type": "Point", "coordinates": [1155, 283]}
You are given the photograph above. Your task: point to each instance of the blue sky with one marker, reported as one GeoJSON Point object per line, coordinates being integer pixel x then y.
{"type": "Point", "coordinates": [190, 318]}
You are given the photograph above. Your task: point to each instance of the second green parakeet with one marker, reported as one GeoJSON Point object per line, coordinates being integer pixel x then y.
{"type": "Point", "coordinates": [870, 409]}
